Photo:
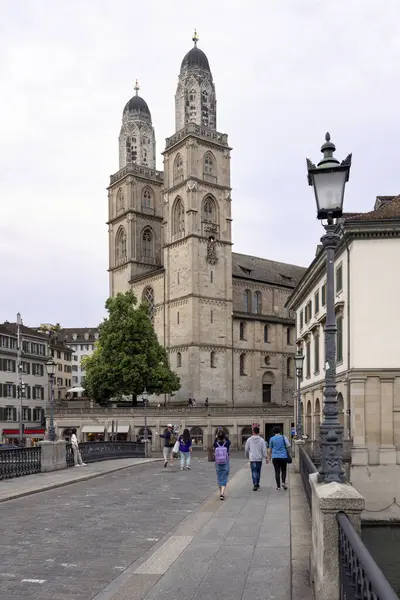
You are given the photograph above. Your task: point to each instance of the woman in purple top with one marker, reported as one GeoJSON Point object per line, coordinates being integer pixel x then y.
{"type": "Point", "coordinates": [185, 449]}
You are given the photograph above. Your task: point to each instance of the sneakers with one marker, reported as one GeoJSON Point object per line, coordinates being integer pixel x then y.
{"type": "Point", "coordinates": [284, 486]}
{"type": "Point", "coordinates": [181, 468]}
{"type": "Point", "coordinates": [255, 488]}
{"type": "Point", "coordinates": [278, 489]}
{"type": "Point", "coordinates": [78, 465]}
{"type": "Point", "coordinates": [188, 468]}
{"type": "Point", "coordinates": [222, 497]}
{"type": "Point", "coordinates": [165, 463]}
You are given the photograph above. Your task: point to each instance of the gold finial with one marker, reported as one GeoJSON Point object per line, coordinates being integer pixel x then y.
{"type": "Point", "coordinates": [195, 37]}
{"type": "Point", "coordinates": [136, 88]}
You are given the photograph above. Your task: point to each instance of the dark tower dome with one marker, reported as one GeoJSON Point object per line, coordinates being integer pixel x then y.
{"type": "Point", "coordinates": [137, 104]}
{"type": "Point", "coordinates": [195, 58]}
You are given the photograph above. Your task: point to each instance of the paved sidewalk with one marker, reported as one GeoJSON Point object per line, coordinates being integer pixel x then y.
{"type": "Point", "coordinates": [18, 487]}
{"type": "Point", "coordinates": [246, 548]}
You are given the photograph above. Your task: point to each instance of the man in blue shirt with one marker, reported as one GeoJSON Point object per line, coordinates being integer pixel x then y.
{"type": "Point", "coordinates": [278, 450]}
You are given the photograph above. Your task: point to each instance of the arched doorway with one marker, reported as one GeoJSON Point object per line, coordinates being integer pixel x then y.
{"type": "Point", "coordinates": [268, 381]}
{"type": "Point", "coordinates": [317, 419]}
{"type": "Point", "coordinates": [197, 435]}
{"type": "Point", "coordinates": [308, 419]}
{"type": "Point", "coordinates": [246, 433]}
{"type": "Point", "coordinates": [340, 408]}
{"type": "Point", "coordinates": [140, 435]}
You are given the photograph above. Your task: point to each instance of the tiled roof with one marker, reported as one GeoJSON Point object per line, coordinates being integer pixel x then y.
{"type": "Point", "coordinates": [267, 271]}
{"type": "Point", "coordinates": [11, 329]}
{"type": "Point", "coordinates": [68, 334]}
{"type": "Point", "coordinates": [388, 210]}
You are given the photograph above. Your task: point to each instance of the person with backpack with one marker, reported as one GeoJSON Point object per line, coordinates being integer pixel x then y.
{"type": "Point", "coordinates": [169, 443]}
{"type": "Point", "coordinates": [256, 451]}
{"type": "Point", "coordinates": [221, 451]}
{"type": "Point", "coordinates": [185, 449]}
{"type": "Point", "coordinates": [279, 451]}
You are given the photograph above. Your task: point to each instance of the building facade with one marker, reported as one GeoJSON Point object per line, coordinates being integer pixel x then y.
{"type": "Point", "coordinates": [220, 315]}
{"type": "Point", "coordinates": [82, 341]}
{"type": "Point", "coordinates": [35, 395]}
{"type": "Point", "coordinates": [62, 355]}
{"type": "Point", "coordinates": [368, 361]}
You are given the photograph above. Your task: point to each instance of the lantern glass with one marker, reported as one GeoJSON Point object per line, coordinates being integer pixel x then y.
{"type": "Point", "coordinates": [298, 361]}
{"type": "Point", "coordinates": [51, 367]}
{"type": "Point", "coordinates": [329, 187]}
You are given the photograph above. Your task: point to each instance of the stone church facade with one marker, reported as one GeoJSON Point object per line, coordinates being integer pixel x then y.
{"type": "Point", "coordinates": [220, 314]}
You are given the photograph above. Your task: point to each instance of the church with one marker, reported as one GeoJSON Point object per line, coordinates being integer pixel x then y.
{"type": "Point", "coordinates": [220, 315]}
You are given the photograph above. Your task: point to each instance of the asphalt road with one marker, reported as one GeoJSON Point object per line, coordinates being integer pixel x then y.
{"type": "Point", "coordinates": [69, 543]}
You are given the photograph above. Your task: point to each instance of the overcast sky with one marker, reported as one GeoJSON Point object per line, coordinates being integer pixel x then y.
{"type": "Point", "coordinates": [285, 71]}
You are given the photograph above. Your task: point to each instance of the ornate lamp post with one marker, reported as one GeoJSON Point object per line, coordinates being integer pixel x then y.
{"type": "Point", "coordinates": [329, 179]}
{"type": "Point", "coordinates": [145, 397]}
{"type": "Point", "coordinates": [298, 361]}
{"type": "Point", "coordinates": [51, 367]}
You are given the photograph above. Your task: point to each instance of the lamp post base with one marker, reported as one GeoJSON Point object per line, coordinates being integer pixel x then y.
{"type": "Point", "coordinates": [52, 434]}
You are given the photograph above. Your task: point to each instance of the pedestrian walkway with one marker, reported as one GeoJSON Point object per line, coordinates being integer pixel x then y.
{"type": "Point", "coordinates": [18, 487]}
{"type": "Point", "coordinates": [255, 545]}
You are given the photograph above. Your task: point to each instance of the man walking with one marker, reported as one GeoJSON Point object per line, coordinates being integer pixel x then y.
{"type": "Point", "coordinates": [169, 443]}
{"type": "Point", "coordinates": [256, 451]}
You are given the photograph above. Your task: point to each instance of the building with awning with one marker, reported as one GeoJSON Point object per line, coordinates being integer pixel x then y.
{"type": "Point", "coordinates": [120, 431]}
{"type": "Point", "coordinates": [119, 428]}
{"type": "Point", "coordinates": [94, 432]}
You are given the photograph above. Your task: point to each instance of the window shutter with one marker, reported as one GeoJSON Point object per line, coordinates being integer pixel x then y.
{"type": "Point", "coordinates": [33, 393]}
{"type": "Point", "coordinates": [1, 391]}
{"type": "Point", "coordinates": [28, 368]}
{"type": "Point", "coordinates": [28, 392]}
{"type": "Point", "coordinates": [14, 391]}
{"type": "Point", "coordinates": [14, 412]}
{"type": "Point", "coordinates": [2, 366]}
{"type": "Point", "coordinates": [14, 366]}
{"type": "Point", "coordinates": [29, 414]}
{"type": "Point", "coordinates": [42, 393]}
{"type": "Point", "coordinates": [2, 413]}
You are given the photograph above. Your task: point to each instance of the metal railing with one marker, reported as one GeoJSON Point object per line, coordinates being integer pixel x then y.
{"type": "Point", "coordinates": [360, 576]}
{"type": "Point", "coordinates": [20, 461]}
{"type": "Point", "coordinates": [306, 468]}
{"type": "Point", "coordinates": [97, 451]}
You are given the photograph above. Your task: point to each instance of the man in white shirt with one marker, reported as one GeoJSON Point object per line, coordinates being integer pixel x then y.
{"type": "Point", "coordinates": [75, 449]}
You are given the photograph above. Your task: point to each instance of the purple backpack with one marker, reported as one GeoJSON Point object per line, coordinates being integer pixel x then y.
{"type": "Point", "coordinates": [221, 454]}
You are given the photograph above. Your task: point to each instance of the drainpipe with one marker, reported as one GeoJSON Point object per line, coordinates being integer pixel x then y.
{"type": "Point", "coordinates": [348, 337]}
{"type": "Point", "coordinates": [233, 369]}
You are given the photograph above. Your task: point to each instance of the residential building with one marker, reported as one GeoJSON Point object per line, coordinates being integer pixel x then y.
{"type": "Point", "coordinates": [367, 289]}
{"type": "Point", "coordinates": [34, 354]}
{"type": "Point", "coordinates": [62, 355]}
{"type": "Point", "coordinates": [82, 341]}
{"type": "Point", "coordinates": [219, 314]}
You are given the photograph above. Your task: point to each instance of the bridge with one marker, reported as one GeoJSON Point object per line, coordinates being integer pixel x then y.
{"type": "Point", "coordinates": [127, 528]}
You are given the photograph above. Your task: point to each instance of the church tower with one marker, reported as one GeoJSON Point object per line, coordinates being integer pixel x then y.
{"type": "Point", "coordinates": [134, 200]}
{"type": "Point", "coordinates": [197, 239]}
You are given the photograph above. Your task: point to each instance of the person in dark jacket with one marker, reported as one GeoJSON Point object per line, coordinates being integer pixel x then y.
{"type": "Point", "coordinates": [169, 443]}
{"type": "Point", "coordinates": [185, 449]}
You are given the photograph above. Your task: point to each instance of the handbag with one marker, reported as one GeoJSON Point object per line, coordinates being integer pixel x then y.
{"type": "Point", "coordinates": [175, 449]}
{"type": "Point", "coordinates": [289, 458]}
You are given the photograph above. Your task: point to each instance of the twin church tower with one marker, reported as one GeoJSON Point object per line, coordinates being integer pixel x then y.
{"type": "Point", "coordinates": [170, 231]}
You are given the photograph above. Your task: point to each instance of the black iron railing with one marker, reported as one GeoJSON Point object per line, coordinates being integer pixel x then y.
{"type": "Point", "coordinates": [306, 468]}
{"type": "Point", "coordinates": [97, 451]}
{"type": "Point", "coordinates": [19, 461]}
{"type": "Point", "coordinates": [360, 576]}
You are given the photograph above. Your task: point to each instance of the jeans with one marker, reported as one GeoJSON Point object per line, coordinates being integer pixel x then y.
{"type": "Point", "coordinates": [168, 454]}
{"type": "Point", "coordinates": [222, 474]}
{"type": "Point", "coordinates": [280, 466]}
{"type": "Point", "coordinates": [185, 457]}
{"type": "Point", "coordinates": [77, 455]}
{"type": "Point", "coordinates": [255, 467]}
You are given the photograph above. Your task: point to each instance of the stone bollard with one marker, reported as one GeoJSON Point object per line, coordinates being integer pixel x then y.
{"type": "Point", "coordinates": [147, 448]}
{"type": "Point", "coordinates": [53, 455]}
{"type": "Point", "coordinates": [328, 499]}
{"type": "Point", "coordinates": [296, 459]}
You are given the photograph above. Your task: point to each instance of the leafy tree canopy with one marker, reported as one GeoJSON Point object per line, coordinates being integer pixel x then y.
{"type": "Point", "coordinates": [128, 358]}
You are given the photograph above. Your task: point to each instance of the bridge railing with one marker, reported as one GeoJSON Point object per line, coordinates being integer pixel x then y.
{"type": "Point", "coordinates": [15, 462]}
{"type": "Point", "coordinates": [98, 451]}
{"type": "Point", "coordinates": [360, 578]}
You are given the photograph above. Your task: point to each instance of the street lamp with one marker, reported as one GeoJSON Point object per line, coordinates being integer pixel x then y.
{"type": "Point", "coordinates": [145, 397]}
{"type": "Point", "coordinates": [51, 367]}
{"type": "Point", "coordinates": [298, 361]}
{"type": "Point", "coordinates": [329, 179]}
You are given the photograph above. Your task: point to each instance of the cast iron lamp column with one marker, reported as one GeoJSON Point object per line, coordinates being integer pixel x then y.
{"type": "Point", "coordinates": [329, 179]}
{"type": "Point", "coordinates": [51, 367]}
{"type": "Point", "coordinates": [145, 396]}
{"type": "Point", "coordinates": [298, 360]}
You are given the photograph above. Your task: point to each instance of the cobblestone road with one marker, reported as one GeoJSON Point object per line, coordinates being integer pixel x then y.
{"type": "Point", "coordinates": [69, 543]}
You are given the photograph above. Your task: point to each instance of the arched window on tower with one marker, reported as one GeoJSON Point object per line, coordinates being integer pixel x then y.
{"type": "Point", "coordinates": [212, 360]}
{"type": "Point", "coordinates": [147, 244]}
{"type": "Point", "coordinates": [120, 246]}
{"type": "Point", "coordinates": [209, 212]}
{"type": "Point", "coordinates": [178, 359]}
{"type": "Point", "coordinates": [242, 364]}
{"type": "Point", "coordinates": [257, 303]}
{"type": "Point", "coordinates": [148, 299]}
{"type": "Point", "coordinates": [209, 167]}
{"type": "Point", "coordinates": [178, 169]}
{"type": "Point", "coordinates": [289, 367]}
{"type": "Point", "coordinates": [192, 95]}
{"type": "Point", "coordinates": [242, 330]}
{"type": "Point", "coordinates": [147, 199]}
{"type": "Point", "coordinates": [120, 201]}
{"type": "Point", "coordinates": [247, 301]}
{"type": "Point", "coordinates": [178, 218]}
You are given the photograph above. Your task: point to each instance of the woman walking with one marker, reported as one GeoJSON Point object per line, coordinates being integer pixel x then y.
{"type": "Point", "coordinates": [278, 450]}
{"type": "Point", "coordinates": [221, 451]}
{"type": "Point", "coordinates": [185, 449]}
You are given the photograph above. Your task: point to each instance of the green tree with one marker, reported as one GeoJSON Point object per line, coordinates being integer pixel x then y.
{"type": "Point", "coordinates": [127, 358]}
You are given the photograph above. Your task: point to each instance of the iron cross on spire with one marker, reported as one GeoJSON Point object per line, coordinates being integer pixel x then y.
{"type": "Point", "coordinates": [195, 37]}
{"type": "Point", "coordinates": [136, 87]}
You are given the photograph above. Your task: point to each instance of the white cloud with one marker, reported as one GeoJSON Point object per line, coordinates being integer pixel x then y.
{"type": "Point", "coordinates": [285, 72]}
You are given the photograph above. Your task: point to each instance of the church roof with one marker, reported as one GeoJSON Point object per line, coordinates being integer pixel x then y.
{"type": "Point", "coordinates": [195, 58]}
{"type": "Point", "coordinates": [266, 271]}
{"type": "Point", "coordinates": [137, 104]}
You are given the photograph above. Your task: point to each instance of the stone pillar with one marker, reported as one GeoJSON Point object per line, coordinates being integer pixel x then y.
{"type": "Point", "coordinates": [147, 448]}
{"type": "Point", "coordinates": [387, 450]}
{"type": "Point", "coordinates": [359, 452]}
{"type": "Point", "coordinates": [53, 455]}
{"type": "Point", "coordinates": [327, 500]}
{"type": "Point", "coordinates": [297, 445]}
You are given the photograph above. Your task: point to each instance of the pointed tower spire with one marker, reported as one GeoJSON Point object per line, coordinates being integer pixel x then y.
{"type": "Point", "coordinates": [136, 87]}
{"type": "Point", "coordinates": [195, 38]}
